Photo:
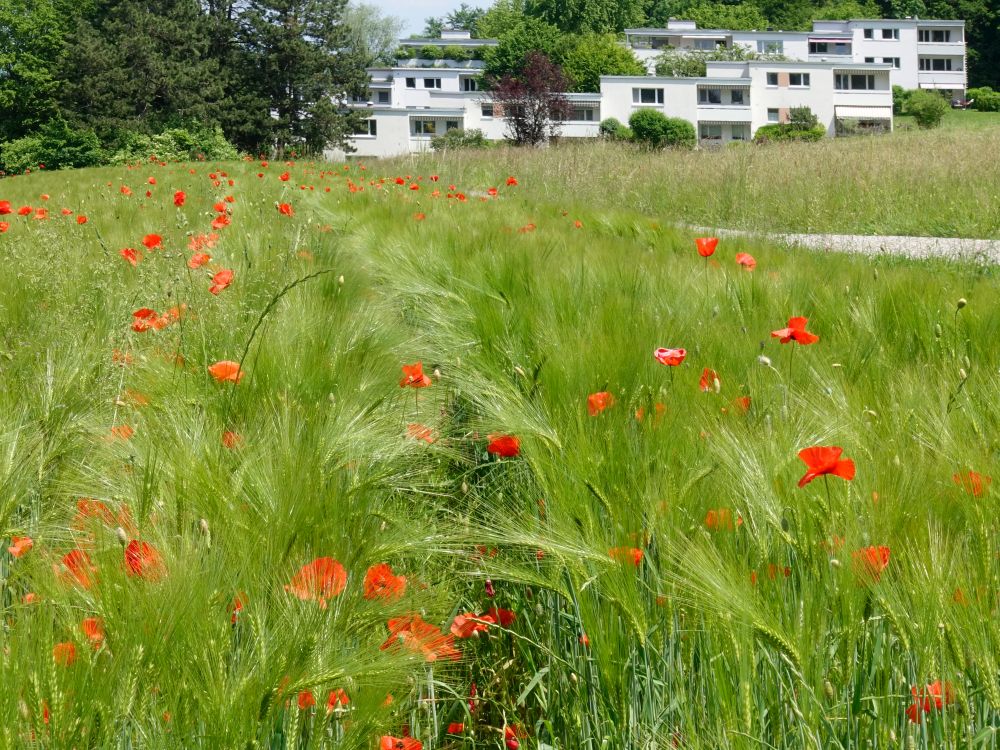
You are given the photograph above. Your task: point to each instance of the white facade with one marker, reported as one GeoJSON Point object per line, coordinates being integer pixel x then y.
{"type": "Point", "coordinates": [842, 70]}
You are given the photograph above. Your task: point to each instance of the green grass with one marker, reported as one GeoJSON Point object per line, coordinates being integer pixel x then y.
{"type": "Point", "coordinates": [939, 183]}
{"type": "Point", "coordinates": [956, 119]}
{"type": "Point", "coordinates": [520, 314]}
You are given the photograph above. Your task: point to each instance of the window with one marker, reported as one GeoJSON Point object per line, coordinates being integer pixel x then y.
{"type": "Point", "coordinates": [772, 79]}
{"type": "Point", "coordinates": [647, 96]}
{"type": "Point", "coordinates": [487, 110]}
{"type": "Point", "coordinates": [711, 132]}
{"type": "Point", "coordinates": [869, 33]}
{"type": "Point", "coordinates": [739, 131]}
{"type": "Point", "coordinates": [799, 80]}
{"type": "Point", "coordinates": [935, 63]}
{"type": "Point", "coordinates": [368, 127]}
{"type": "Point", "coordinates": [450, 125]}
{"type": "Point", "coordinates": [710, 96]}
{"type": "Point", "coordinates": [829, 48]}
{"type": "Point", "coordinates": [893, 61]}
{"type": "Point", "coordinates": [470, 84]}
{"type": "Point", "coordinates": [940, 36]}
{"type": "Point", "coordinates": [411, 83]}
{"type": "Point", "coordinates": [770, 46]}
{"type": "Point", "coordinates": [424, 127]}
{"type": "Point", "coordinates": [772, 115]}
{"type": "Point", "coordinates": [854, 82]}
{"type": "Point", "coordinates": [383, 97]}
{"type": "Point", "coordinates": [736, 96]}
{"type": "Point", "coordinates": [582, 114]}
{"type": "Point", "coordinates": [869, 59]}
{"type": "Point", "coordinates": [923, 35]}
{"type": "Point", "coordinates": [705, 44]}
{"type": "Point", "coordinates": [890, 33]}
{"type": "Point", "coordinates": [432, 83]}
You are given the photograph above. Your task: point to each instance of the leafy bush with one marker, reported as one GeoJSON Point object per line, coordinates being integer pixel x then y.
{"type": "Point", "coordinates": [656, 130]}
{"type": "Point", "coordinates": [927, 107]}
{"type": "Point", "coordinates": [802, 118]}
{"type": "Point", "coordinates": [430, 52]}
{"type": "Point", "coordinates": [984, 99]}
{"type": "Point", "coordinates": [454, 52]}
{"type": "Point", "coordinates": [176, 144]}
{"type": "Point", "coordinates": [900, 98]}
{"type": "Point", "coordinates": [785, 131]}
{"type": "Point", "coordinates": [612, 129]}
{"type": "Point", "coordinates": [56, 145]}
{"type": "Point", "coordinates": [458, 139]}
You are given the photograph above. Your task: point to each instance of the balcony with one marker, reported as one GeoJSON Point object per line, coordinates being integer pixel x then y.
{"type": "Point", "coordinates": [724, 112]}
{"type": "Point", "coordinates": [941, 79]}
{"type": "Point", "coordinates": [941, 49]}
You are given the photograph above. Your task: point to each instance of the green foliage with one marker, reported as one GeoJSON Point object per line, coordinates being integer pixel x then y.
{"type": "Point", "coordinates": [655, 130]}
{"type": "Point", "coordinates": [460, 139]}
{"type": "Point", "coordinates": [455, 52]}
{"type": "Point", "coordinates": [588, 16]}
{"type": "Point", "coordinates": [464, 17]}
{"type": "Point", "coordinates": [692, 63]}
{"type": "Point", "coordinates": [927, 107]}
{"type": "Point", "coordinates": [175, 144]}
{"type": "Point", "coordinates": [802, 118]}
{"type": "Point", "coordinates": [430, 52]}
{"type": "Point", "coordinates": [785, 131]}
{"type": "Point", "coordinates": [613, 129]}
{"type": "Point", "coordinates": [527, 35]}
{"type": "Point", "coordinates": [900, 98]}
{"type": "Point", "coordinates": [590, 56]}
{"type": "Point", "coordinates": [716, 15]}
{"type": "Point", "coordinates": [984, 99]}
{"type": "Point", "coordinates": [56, 145]}
{"type": "Point", "coordinates": [372, 35]}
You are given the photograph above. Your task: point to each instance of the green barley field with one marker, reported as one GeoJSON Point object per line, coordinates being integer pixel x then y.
{"type": "Point", "coordinates": [234, 513]}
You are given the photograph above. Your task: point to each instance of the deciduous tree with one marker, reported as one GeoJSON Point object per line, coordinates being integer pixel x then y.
{"type": "Point", "coordinates": [533, 101]}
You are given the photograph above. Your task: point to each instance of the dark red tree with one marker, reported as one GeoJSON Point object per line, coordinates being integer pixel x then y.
{"type": "Point", "coordinates": [533, 102]}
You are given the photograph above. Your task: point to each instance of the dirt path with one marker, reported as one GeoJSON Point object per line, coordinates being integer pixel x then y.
{"type": "Point", "coordinates": [979, 251]}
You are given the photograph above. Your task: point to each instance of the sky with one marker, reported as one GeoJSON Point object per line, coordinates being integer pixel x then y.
{"type": "Point", "coordinates": [413, 12]}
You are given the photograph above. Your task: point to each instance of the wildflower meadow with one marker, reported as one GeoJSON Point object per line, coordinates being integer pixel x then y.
{"type": "Point", "coordinates": [310, 455]}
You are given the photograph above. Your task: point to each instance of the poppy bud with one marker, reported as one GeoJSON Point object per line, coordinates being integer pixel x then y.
{"type": "Point", "coordinates": [572, 677]}
{"type": "Point", "coordinates": [828, 689]}
{"type": "Point", "coordinates": [961, 303]}
{"type": "Point", "coordinates": [437, 373]}
{"type": "Point", "coordinates": [962, 373]}
{"type": "Point", "coordinates": [716, 385]}
{"type": "Point", "coordinates": [896, 462]}
{"type": "Point", "coordinates": [966, 362]}
{"type": "Point", "coordinates": [834, 562]}
{"type": "Point", "coordinates": [892, 736]}
{"type": "Point", "coordinates": [465, 488]}
{"type": "Point", "coordinates": [520, 371]}
{"type": "Point", "coordinates": [340, 279]}
{"type": "Point", "coordinates": [203, 525]}
{"type": "Point", "coordinates": [122, 536]}
{"type": "Point", "coordinates": [490, 591]}
{"type": "Point", "coordinates": [763, 360]}
{"type": "Point", "coordinates": [937, 330]}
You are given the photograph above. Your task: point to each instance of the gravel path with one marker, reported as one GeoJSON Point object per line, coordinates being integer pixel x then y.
{"type": "Point", "coordinates": [979, 251]}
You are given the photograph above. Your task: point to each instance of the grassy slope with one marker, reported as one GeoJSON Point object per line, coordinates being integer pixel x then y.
{"type": "Point", "coordinates": [938, 183]}
{"type": "Point", "coordinates": [524, 314]}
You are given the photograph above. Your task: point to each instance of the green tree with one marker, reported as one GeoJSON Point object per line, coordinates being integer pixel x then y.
{"type": "Point", "coordinates": [590, 56]}
{"type": "Point", "coordinates": [588, 16]}
{"type": "Point", "coordinates": [528, 35]}
{"type": "Point", "coordinates": [692, 64]}
{"type": "Point", "coordinates": [725, 16]}
{"type": "Point", "coordinates": [305, 69]}
{"type": "Point", "coordinates": [139, 65]}
{"type": "Point", "coordinates": [372, 35]}
{"type": "Point", "coordinates": [927, 107]}
{"type": "Point", "coordinates": [502, 16]}
{"type": "Point", "coordinates": [656, 130]}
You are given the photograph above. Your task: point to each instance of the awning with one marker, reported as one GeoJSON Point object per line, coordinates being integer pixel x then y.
{"type": "Point", "coordinates": [831, 39]}
{"type": "Point", "coordinates": [863, 113]}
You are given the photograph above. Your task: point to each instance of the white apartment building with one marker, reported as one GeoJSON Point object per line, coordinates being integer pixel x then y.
{"type": "Point", "coordinates": [842, 70]}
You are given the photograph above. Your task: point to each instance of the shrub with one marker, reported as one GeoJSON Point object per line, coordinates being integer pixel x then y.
{"type": "Point", "coordinates": [458, 139]}
{"type": "Point", "coordinates": [656, 130]}
{"type": "Point", "coordinates": [613, 129]}
{"type": "Point", "coordinates": [984, 99]}
{"type": "Point", "coordinates": [900, 98]}
{"type": "Point", "coordinates": [454, 52]}
{"type": "Point", "coordinates": [430, 52]}
{"type": "Point", "coordinates": [56, 145]}
{"type": "Point", "coordinates": [927, 107]}
{"type": "Point", "coordinates": [176, 144]}
{"type": "Point", "coordinates": [802, 118]}
{"type": "Point", "coordinates": [785, 131]}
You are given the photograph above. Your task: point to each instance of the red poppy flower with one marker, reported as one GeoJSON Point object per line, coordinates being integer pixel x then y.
{"type": "Point", "coordinates": [284, 177]}
{"type": "Point", "coordinates": [746, 260]}
{"type": "Point", "coordinates": [125, 190]}
{"type": "Point", "coordinates": [400, 181]}
{"type": "Point", "coordinates": [399, 743]}
{"type": "Point", "coordinates": [226, 370]}
{"type": "Point", "coordinates": [322, 579]}
{"type": "Point", "coordinates": [41, 214]}
{"type": "Point", "coordinates": [75, 567]}
{"type": "Point", "coordinates": [152, 241]}
{"type": "Point", "coordinates": [469, 624]}
{"type": "Point", "coordinates": [456, 727]}
{"type": "Point", "coordinates": [64, 654]}
{"type": "Point", "coordinates": [492, 192]}
{"type": "Point", "coordinates": [306, 700]}
{"type": "Point", "coordinates": [511, 181]}
{"type": "Point", "coordinates": [670, 357]}
{"type": "Point", "coordinates": [5, 208]}
{"type": "Point", "coordinates": [81, 219]}
{"type": "Point", "coordinates": [708, 380]}
{"type": "Point", "coordinates": [420, 432]}
{"type": "Point", "coordinates": [122, 432]}
{"type": "Point", "coordinates": [934, 696]}
{"type": "Point", "coordinates": [416, 635]}
{"type": "Point", "coordinates": [511, 733]}
{"type": "Point", "coordinates": [93, 628]}
{"type": "Point", "coordinates": [285, 209]}
{"type": "Point", "coordinates": [578, 224]}
{"type": "Point", "coordinates": [506, 446]}
{"type": "Point", "coordinates": [706, 245]}
{"type": "Point", "coordinates": [598, 402]}
{"type": "Point", "coordinates": [413, 376]}
{"type": "Point", "coordinates": [231, 440]}
{"type": "Point", "coordinates": [4, 226]}
{"type": "Point", "coordinates": [198, 260]}
{"type": "Point", "coordinates": [721, 519]}
{"type": "Point", "coordinates": [796, 330]}
{"type": "Point", "coordinates": [871, 561]}
{"type": "Point", "coordinates": [142, 560]}
{"type": "Point", "coordinates": [382, 583]}
{"type": "Point", "coordinates": [221, 280]}
{"type": "Point", "coordinates": [179, 198]}
{"type": "Point", "coordinates": [822, 460]}
{"type": "Point", "coordinates": [626, 554]}
{"type": "Point", "coordinates": [220, 221]}
{"type": "Point", "coordinates": [972, 482]}
{"type": "Point", "coordinates": [742, 403]}
{"type": "Point", "coordinates": [419, 216]}
{"type": "Point", "coordinates": [20, 545]}
{"type": "Point", "coordinates": [131, 255]}
{"type": "Point", "coordinates": [504, 617]}
{"type": "Point", "coordinates": [336, 698]}
{"type": "Point", "coordinates": [24, 210]}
